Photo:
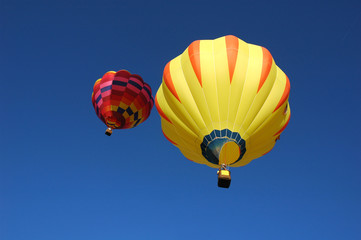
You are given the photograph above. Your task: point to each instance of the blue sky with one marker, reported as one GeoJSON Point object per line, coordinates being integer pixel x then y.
{"type": "Point", "coordinates": [62, 178]}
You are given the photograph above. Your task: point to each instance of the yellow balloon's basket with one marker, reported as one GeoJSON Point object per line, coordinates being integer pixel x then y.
{"type": "Point", "coordinates": [224, 178]}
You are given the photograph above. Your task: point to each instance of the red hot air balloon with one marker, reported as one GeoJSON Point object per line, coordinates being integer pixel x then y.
{"type": "Point", "coordinates": [122, 100]}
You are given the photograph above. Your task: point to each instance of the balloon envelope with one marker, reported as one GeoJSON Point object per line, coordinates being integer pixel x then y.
{"type": "Point", "coordinates": [122, 100]}
{"type": "Point", "coordinates": [223, 101]}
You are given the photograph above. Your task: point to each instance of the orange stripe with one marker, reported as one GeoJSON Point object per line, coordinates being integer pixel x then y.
{"type": "Point", "coordinates": [232, 52]}
{"type": "Point", "coordinates": [169, 139]}
{"type": "Point", "coordinates": [283, 128]}
{"type": "Point", "coordinates": [266, 67]}
{"type": "Point", "coordinates": [168, 81]}
{"type": "Point", "coordinates": [161, 113]}
{"type": "Point", "coordinates": [285, 94]}
{"type": "Point", "coordinates": [194, 57]}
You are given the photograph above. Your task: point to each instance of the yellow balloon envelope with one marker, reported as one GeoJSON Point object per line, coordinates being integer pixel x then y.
{"type": "Point", "coordinates": [223, 101]}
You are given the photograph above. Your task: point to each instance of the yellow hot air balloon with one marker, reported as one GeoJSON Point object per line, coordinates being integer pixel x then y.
{"type": "Point", "coordinates": [223, 102]}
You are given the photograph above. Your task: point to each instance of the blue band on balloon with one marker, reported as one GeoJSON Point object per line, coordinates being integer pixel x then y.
{"type": "Point", "coordinates": [213, 143]}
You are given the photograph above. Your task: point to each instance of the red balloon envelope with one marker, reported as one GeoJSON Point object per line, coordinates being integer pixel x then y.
{"type": "Point", "coordinates": [122, 100]}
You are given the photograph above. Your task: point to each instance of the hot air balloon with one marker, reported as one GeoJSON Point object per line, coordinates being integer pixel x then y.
{"type": "Point", "coordinates": [223, 103]}
{"type": "Point", "coordinates": [122, 100]}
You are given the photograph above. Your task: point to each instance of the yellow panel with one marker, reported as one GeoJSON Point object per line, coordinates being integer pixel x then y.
{"type": "Point", "coordinates": [196, 157]}
{"type": "Point", "coordinates": [222, 80]}
{"type": "Point", "coordinates": [113, 108]}
{"type": "Point", "coordinates": [123, 105]}
{"type": "Point", "coordinates": [237, 84]}
{"type": "Point", "coordinates": [197, 93]}
{"type": "Point", "coordinates": [177, 122]}
{"type": "Point", "coordinates": [187, 103]}
{"type": "Point", "coordinates": [250, 87]}
{"type": "Point", "coordinates": [265, 101]}
{"type": "Point", "coordinates": [230, 152]}
{"type": "Point", "coordinates": [178, 111]}
{"type": "Point", "coordinates": [259, 100]}
{"type": "Point", "coordinates": [209, 80]}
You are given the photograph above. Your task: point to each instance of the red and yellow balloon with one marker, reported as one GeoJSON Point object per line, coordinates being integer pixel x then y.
{"type": "Point", "coordinates": [122, 100]}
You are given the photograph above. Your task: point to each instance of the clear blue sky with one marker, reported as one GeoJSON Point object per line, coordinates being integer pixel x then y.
{"type": "Point", "coordinates": [62, 178]}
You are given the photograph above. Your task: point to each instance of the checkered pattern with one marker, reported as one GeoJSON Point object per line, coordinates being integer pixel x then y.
{"type": "Point", "coordinates": [122, 100]}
